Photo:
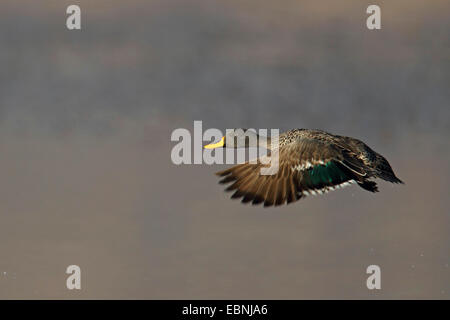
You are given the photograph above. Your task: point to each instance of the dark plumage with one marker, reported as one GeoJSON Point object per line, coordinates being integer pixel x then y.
{"type": "Point", "coordinates": [310, 162]}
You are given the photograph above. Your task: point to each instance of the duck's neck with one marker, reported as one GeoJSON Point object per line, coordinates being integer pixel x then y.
{"type": "Point", "coordinates": [265, 142]}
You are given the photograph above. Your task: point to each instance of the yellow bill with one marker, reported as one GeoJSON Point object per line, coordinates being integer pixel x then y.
{"type": "Point", "coordinates": [216, 145]}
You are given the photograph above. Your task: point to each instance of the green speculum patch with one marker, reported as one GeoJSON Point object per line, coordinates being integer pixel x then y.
{"type": "Point", "coordinates": [328, 173]}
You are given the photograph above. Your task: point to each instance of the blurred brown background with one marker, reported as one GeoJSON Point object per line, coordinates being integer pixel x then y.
{"type": "Point", "coordinates": [86, 176]}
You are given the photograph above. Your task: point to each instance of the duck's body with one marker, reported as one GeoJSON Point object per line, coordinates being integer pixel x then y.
{"type": "Point", "coordinates": [310, 162]}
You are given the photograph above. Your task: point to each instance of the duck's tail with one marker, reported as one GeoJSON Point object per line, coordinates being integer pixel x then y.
{"type": "Point", "coordinates": [384, 171]}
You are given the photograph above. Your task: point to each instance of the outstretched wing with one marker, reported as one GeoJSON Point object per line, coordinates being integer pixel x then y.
{"type": "Point", "coordinates": [306, 166]}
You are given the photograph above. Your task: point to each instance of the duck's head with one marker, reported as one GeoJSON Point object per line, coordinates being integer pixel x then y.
{"type": "Point", "coordinates": [236, 138]}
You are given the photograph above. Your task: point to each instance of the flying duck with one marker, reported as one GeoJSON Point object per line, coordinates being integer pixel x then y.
{"type": "Point", "coordinates": [310, 162]}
